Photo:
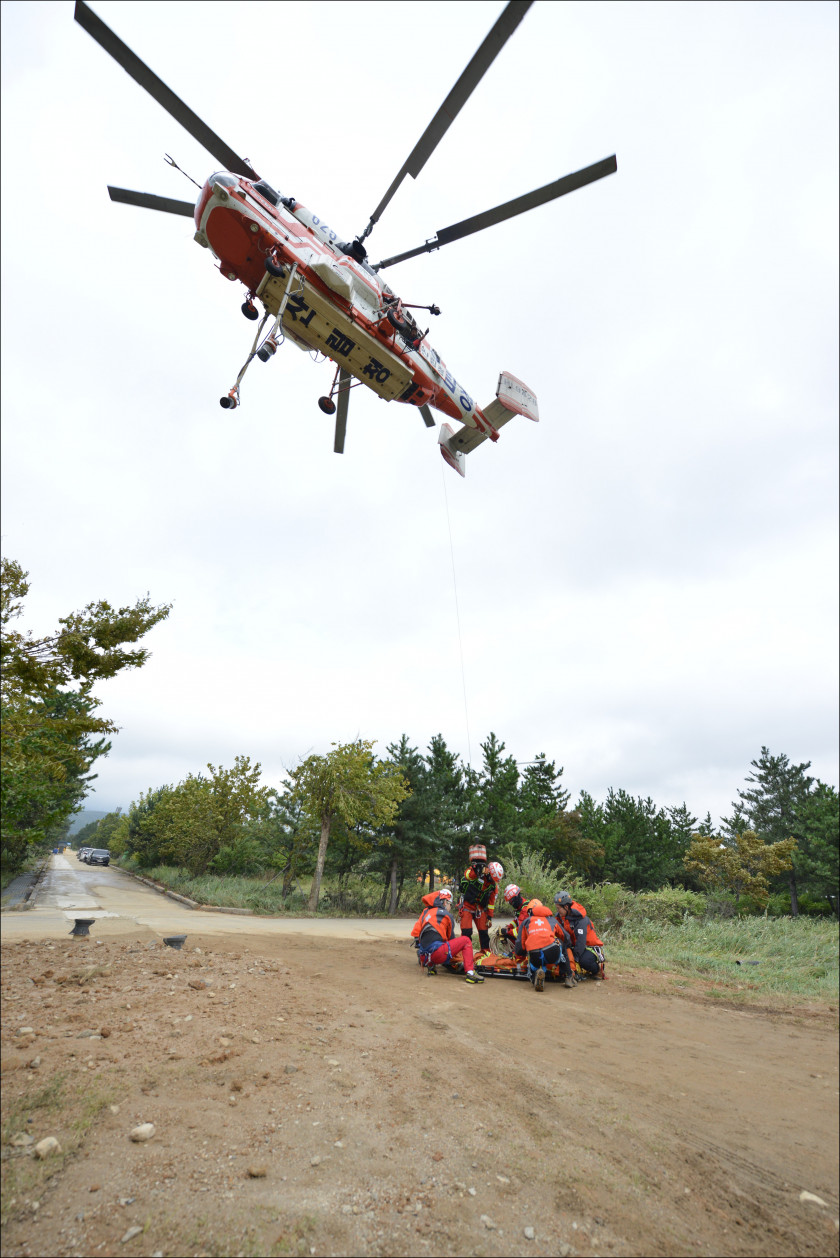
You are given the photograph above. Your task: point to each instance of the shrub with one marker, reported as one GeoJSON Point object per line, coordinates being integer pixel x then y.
{"type": "Point", "coordinates": [538, 878]}
{"type": "Point", "coordinates": [670, 905]}
{"type": "Point", "coordinates": [242, 856]}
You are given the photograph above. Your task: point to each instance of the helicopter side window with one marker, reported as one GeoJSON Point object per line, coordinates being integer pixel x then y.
{"type": "Point", "coordinates": [266, 190]}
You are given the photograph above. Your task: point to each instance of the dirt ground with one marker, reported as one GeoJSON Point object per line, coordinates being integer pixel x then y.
{"type": "Point", "coordinates": [319, 1097]}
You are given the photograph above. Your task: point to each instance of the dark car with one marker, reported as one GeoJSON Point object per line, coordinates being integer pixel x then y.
{"type": "Point", "coordinates": [98, 856]}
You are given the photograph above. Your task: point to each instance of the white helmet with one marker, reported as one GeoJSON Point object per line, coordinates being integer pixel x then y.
{"type": "Point", "coordinates": [495, 871]}
{"type": "Point", "coordinates": [511, 891]}
{"type": "Point", "coordinates": [444, 894]}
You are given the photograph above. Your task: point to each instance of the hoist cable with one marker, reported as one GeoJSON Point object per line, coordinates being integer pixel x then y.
{"type": "Point", "coordinates": [457, 612]}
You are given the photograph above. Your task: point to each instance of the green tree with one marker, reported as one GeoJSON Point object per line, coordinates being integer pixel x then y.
{"type": "Point", "coordinates": [642, 848]}
{"type": "Point", "coordinates": [819, 843]}
{"type": "Point", "coordinates": [570, 846]}
{"type": "Point", "coordinates": [446, 795]}
{"type": "Point", "coordinates": [542, 800]}
{"type": "Point", "coordinates": [144, 835]}
{"type": "Point", "coordinates": [741, 865]}
{"type": "Point", "coordinates": [110, 832]}
{"type": "Point", "coordinates": [348, 785]}
{"type": "Point", "coordinates": [495, 798]}
{"type": "Point", "coordinates": [410, 836]}
{"type": "Point", "coordinates": [772, 805]}
{"type": "Point", "coordinates": [289, 834]}
{"type": "Point", "coordinates": [51, 733]}
{"type": "Point", "coordinates": [206, 817]}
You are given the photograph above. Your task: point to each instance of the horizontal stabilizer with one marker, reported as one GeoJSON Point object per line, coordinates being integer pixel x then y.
{"type": "Point", "coordinates": [512, 398]}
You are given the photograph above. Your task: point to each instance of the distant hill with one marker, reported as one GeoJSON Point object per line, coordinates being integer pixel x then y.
{"type": "Point", "coordinates": [84, 818]}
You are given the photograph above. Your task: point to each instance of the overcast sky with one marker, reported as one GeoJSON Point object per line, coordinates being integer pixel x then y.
{"type": "Point", "coordinates": [646, 578]}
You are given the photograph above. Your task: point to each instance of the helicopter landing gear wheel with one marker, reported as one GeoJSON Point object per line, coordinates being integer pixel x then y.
{"type": "Point", "coordinates": [250, 310]}
{"type": "Point", "coordinates": [274, 267]}
{"type": "Point", "coordinates": [327, 405]}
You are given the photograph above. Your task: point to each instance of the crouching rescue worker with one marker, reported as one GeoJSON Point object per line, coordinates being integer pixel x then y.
{"type": "Point", "coordinates": [536, 938]}
{"type": "Point", "coordinates": [580, 934]}
{"type": "Point", "coordinates": [434, 931]}
{"type": "Point", "coordinates": [479, 887]}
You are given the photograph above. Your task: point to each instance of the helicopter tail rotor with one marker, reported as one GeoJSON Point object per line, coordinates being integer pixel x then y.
{"type": "Point", "coordinates": [512, 398]}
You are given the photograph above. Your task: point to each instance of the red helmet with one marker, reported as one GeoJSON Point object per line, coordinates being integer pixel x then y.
{"type": "Point", "coordinates": [512, 891]}
{"type": "Point", "coordinates": [444, 894]}
{"type": "Point", "coordinates": [495, 871]}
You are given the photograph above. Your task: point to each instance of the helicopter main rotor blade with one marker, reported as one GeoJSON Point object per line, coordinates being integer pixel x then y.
{"type": "Point", "coordinates": [148, 201]}
{"type": "Point", "coordinates": [342, 404]}
{"type": "Point", "coordinates": [164, 96]}
{"type": "Point", "coordinates": [495, 41]}
{"type": "Point", "coordinates": [510, 209]}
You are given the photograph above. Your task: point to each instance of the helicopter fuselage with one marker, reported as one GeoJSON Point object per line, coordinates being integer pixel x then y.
{"type": "Point", "coordinates": [335, 304]}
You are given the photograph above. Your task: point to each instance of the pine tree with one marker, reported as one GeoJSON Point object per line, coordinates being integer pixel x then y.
{"type": "Point", "coordinates": [772, 806]}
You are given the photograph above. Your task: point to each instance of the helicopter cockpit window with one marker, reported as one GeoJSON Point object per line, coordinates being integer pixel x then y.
{"type": "Point", "coordinates": [223, 178]}
{"type": "Point", "coordinates": [266, 190]}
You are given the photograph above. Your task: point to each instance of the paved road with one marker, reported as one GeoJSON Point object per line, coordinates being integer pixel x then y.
{"type": "Point", "coordinates": [121, 905]}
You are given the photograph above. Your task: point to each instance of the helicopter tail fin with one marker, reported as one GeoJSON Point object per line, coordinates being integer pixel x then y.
{"type": "Point", "coordinates": [512, 398]}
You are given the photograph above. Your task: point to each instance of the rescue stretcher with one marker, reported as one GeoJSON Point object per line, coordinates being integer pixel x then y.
{"type": "Point", "coordinates": [499, 964]}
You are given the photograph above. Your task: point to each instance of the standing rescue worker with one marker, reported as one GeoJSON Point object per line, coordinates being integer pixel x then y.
{"type": "Point", "coordinates": [536, 938]}
{"type": "Point", "coordinates": [479, 887]}
{"type": "Point", "coordinates": [434, 931]}
{"type": "Point", "coordinates": [576, 926]}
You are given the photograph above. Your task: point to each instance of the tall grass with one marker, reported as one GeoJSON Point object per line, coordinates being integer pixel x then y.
{"type": "Point", "coordinates": [791, 956]}
{"type": "Point", "coordinates": [681, 931]}
{"type": "Point", "coordinates": [352, 897]}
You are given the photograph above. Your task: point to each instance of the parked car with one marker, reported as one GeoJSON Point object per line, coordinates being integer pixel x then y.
{"type": "Point", "coordinates": [98, 856]}
{"type": "Point", "coordinates": [82, 853]}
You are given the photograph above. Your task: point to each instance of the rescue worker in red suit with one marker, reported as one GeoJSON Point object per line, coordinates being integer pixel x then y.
{"type": "Point", "coordinates": [434, 931]}
{"type": "Point", "coordinates": [536, 938]}
{"type": "Point", "coordinates": [576, 926]}
{"type": "Point", "coordinates": [479, 887]}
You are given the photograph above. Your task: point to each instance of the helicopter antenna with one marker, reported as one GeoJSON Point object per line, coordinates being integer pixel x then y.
{"type": "Point", "coordinates": [172, 162]}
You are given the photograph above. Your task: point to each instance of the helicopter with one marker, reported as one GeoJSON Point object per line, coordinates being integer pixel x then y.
{"type": "Point", "coordinates": [320, 292]}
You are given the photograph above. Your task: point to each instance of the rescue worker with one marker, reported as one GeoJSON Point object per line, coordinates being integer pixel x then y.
{"type": "Point", "coordinates": [536, 938]}
{"type": "Point", "coordinates": [576, 926]}
{"type": "Point", "coordinates": [479, 887]}
{"type": "Point", "coordinates": [434, 931]}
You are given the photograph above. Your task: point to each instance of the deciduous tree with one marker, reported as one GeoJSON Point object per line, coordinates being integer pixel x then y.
{"type": "Point", "coordinates": [742, 865]}
{"type": "Point", "coordinates": [350, 785]}
{"type": "Point", "coordinates": [51, 733]}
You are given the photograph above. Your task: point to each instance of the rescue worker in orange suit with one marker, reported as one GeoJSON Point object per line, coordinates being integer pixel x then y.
{"type": "Point", "coordinates": [479, 887]}
{"type": "Point", "coordinates": [434, 931]}
{"type": "Point", "coordinates": [536, 938]}
{"type": "Point", "coordinates": [576, 926]}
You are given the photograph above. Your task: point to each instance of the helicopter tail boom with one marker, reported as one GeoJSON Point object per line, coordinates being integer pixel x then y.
{"type": "Point", "coordinates": [512, 398]}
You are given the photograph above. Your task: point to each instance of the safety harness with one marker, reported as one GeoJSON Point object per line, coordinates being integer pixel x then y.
{"type": "Point", "coordinates": [423, 954]}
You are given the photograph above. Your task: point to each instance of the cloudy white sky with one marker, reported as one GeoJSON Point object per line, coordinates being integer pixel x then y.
{"type": "Point", "coordinates": [646, 578]}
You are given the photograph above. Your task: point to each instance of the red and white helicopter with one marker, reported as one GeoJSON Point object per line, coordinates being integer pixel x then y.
{"type": "Point", "coordinates": [320, 292]}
